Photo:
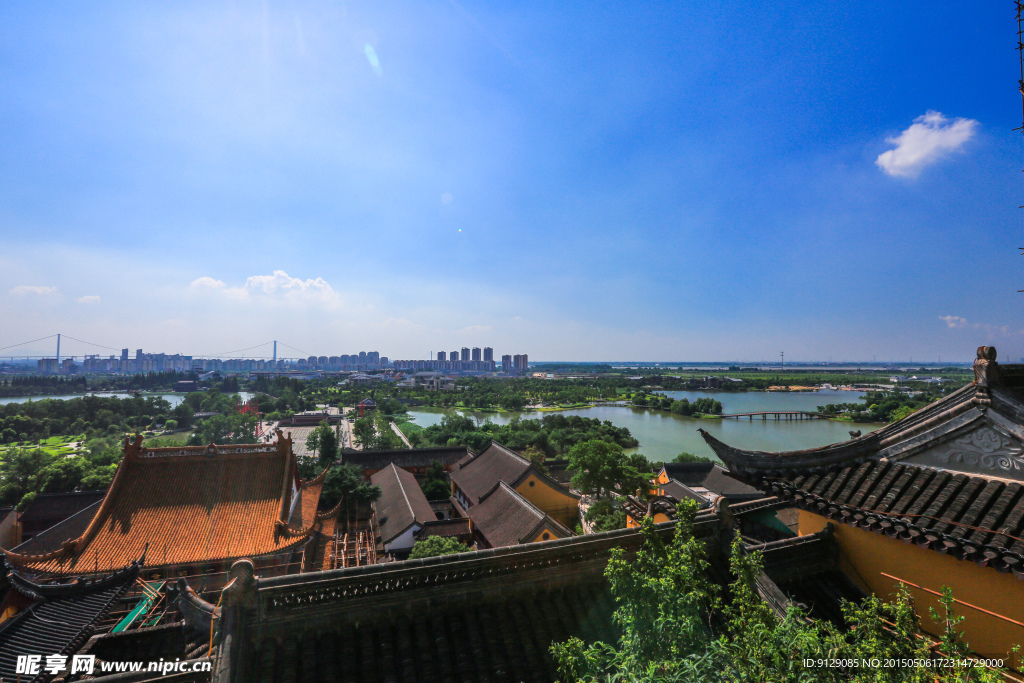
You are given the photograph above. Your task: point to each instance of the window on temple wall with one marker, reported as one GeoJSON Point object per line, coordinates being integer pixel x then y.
{"type": "Point", "coordinates": [546, 535]}
{"type": "Point", "coordinates": [532, 482]}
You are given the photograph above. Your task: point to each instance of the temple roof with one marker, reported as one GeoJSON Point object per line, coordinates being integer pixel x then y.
{"type": "Point", "coordinates": [192, 504]}
{"type": "Point", "coordinates": [949, 477]}
{"type": "Point", "coordinates": [53, 538]}
{"type": "Point", "coordinates": [478, 475]}
{"type": "Point", "coordinates": [681, 492]}
{"type": "Point", "coordinates": [973, 518]}
{"type": "Point", "coordinates": [60, 619]}
{"type": "Point", "coordinates": [996, 398]}
{"type": "Point", "coordinates": [48, 509]}
{"type": "Point", "coordinates": [503, 518]}
{"type": "Point", "coordinates": [401, 503]}
{"type": "Point", "coordinates": [446, 528]}
{"type": "Point", "coordinates": [712, 477]}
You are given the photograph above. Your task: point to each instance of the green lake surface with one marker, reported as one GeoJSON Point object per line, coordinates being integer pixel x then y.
{"type": "Point", "coordinates": [663, 435]}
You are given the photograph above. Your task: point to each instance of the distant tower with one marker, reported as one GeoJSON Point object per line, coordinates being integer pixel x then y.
{"type": "Point", "coordinates": [476, 353]}
{"type": "Point", "coordinates": [454, 355]}
{"type": "Point", "coordinates": [488, 353]}
{"type": "Point", "coordinates": [442, 356]}
{"type": "Point", "coordinates": [465, 353]}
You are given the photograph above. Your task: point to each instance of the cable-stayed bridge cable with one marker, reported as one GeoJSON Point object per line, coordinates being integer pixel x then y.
{"type": "Point", "coordinates": [228, 353]}
{"type": "Point", "coordinates": [293, 348]}
{"type": "Point", "coordinates": [90, 343]}
{"type": "Point", "coordinates": [28, 342]}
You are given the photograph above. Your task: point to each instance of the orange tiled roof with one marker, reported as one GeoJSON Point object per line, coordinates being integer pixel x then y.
{"type": "Point", "coordinates": [192, 504]}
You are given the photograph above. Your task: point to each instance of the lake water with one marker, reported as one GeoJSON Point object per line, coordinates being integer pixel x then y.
{"type": "Point", "coordinates": [173, 399]}
{"type": "Point", "coordinates": [663, 435]}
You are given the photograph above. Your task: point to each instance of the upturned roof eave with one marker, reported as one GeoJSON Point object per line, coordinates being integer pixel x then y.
{"type": "Point", "coordinates": [756, 464]}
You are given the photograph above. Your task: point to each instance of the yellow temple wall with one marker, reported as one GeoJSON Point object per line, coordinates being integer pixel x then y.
{"type": "Point", "coordinates": [867, 555]}
{"type": "Point", "coordinates": [560, 506]}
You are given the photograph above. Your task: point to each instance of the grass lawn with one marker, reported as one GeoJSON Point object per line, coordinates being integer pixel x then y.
{"type": "Point", "coordinates": [55, 445]}
{"type": "Point", "coordinates": [165, 440]}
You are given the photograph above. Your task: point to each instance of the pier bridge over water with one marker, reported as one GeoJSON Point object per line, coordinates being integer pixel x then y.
{"type": "Point", "coordinates": [780, 415]}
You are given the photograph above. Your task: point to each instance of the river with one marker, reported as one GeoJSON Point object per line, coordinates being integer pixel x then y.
{"type": "Point", "coordinates": [663, 435]}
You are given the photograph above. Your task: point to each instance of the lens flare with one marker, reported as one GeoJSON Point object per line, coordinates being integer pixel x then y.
{"type": "Point", "coordinates": [371, 57]}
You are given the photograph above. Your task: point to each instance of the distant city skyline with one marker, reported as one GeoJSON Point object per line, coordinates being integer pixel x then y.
{"type": "Point", "coordinates": [691, 180]}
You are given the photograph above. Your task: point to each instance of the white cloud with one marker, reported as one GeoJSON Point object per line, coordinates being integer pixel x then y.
{"type": "Point", "coordinates": [927, 140]}
{"type": "Point", "coordinates": [207, 282]}
{"type": "Point", "coordinates": [22, 290]}
{"type": "Point", "coordinates": [278, 286]}
{"type": "Point", "coordinates": [956, 322]}
{"type": "Point", "coordinates": [91, 299]}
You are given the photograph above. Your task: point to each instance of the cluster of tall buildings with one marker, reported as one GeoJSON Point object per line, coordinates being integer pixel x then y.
{"type": "Point", "coordinates": [468, 360]}
{"type": "Point", "coordinates": [464, 360]}
{"type": "Point", "coordinates": [364, 360]}
{"type": "Point", "coordinates": [94, 363]}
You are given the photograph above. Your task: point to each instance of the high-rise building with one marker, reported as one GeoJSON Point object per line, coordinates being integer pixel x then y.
{"type": "Point", "coordinates": [442, 356]}
{"type": "Point", "coordinates": [454, 355]}
{"type": "Point", "coordinates": [362, 357]}
{"type": "Point", "coordinates": [373, 358]}
{"type": "Point", "coordinates": [465, 353]}
{"type": "Point", "coordinates": [124, 354]}
{"type": "Point", "coordinates": [488, 353]}
{"type": "Point", "coordinates": [506, 363]}
{"type": "Point", "coordinates": [476, 353]}
{"type": "Point", "coordinates": [520, 362]}
{"type": "Point", "coordinates": [138, 354]}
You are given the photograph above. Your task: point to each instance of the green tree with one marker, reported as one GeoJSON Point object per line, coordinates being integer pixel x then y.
{"type": "Point", "coordinates": [602, 468]}
{"type": "Point", "coordinates": [435, 482]}
{"type": "Point", "coordinates": [690, 457]}
{"type": "Point", "coordinates": [313, 441]}
{"type": "Point", "coordinates": [436, 545]}
{"type": "Point", "coordinates": [363, 432]}
{"type": "Point", "coordinates": [606, 515]}
{"type": "Point", "coordinates": [666, 609]}
{"type": "Point", "coordinates": [328, 443]}
{"type": "Point", "coordinates": [347, 482]}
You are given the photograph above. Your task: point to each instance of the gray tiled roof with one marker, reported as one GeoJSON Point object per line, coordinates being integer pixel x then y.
{"type": "Point", "coordinates": [503, 518]}
{"type": "Point", "coordinates": [713, 477]}
{"type": "Point", "coordinates": [401, 502]}
{"type": "Point", "coordinates": [497, 463]}
{"type": "Point", "coordinates": [682, 492]}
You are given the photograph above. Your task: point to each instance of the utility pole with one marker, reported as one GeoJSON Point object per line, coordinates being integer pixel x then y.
{"type": "Point", "coordinates": [782, 367]}
{"type": "Point", "coordinates": [275, 353]}
{"type": "Point", "coordinates": [58, 353]}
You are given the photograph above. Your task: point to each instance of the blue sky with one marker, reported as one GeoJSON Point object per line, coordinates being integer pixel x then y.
{"type": "Point", "coordinates": [647, 181]}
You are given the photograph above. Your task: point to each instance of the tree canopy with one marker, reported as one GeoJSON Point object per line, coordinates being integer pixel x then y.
{"type": "Point", "coordinates": [602, 468]}
{"type": "Point", "coordinates": [666, 609]}
{"type": "Point", "coordinates": [347, 482]}
{"type": "Point", "coordinates": [436, 545]}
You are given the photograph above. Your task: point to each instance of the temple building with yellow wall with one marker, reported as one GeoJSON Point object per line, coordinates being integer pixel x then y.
{"type": "Point", "coordinates": [931, 501]}
{"type": "Point", "coordinates": [477, 476]}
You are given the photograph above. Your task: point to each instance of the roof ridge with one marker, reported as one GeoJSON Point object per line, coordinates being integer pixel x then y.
{"type": "Point", "coordinates": [511, 452]}
{"type": "Point", "coordinates": [405, 496]}
{"type": "Point", "coordinates": [533, 508]}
